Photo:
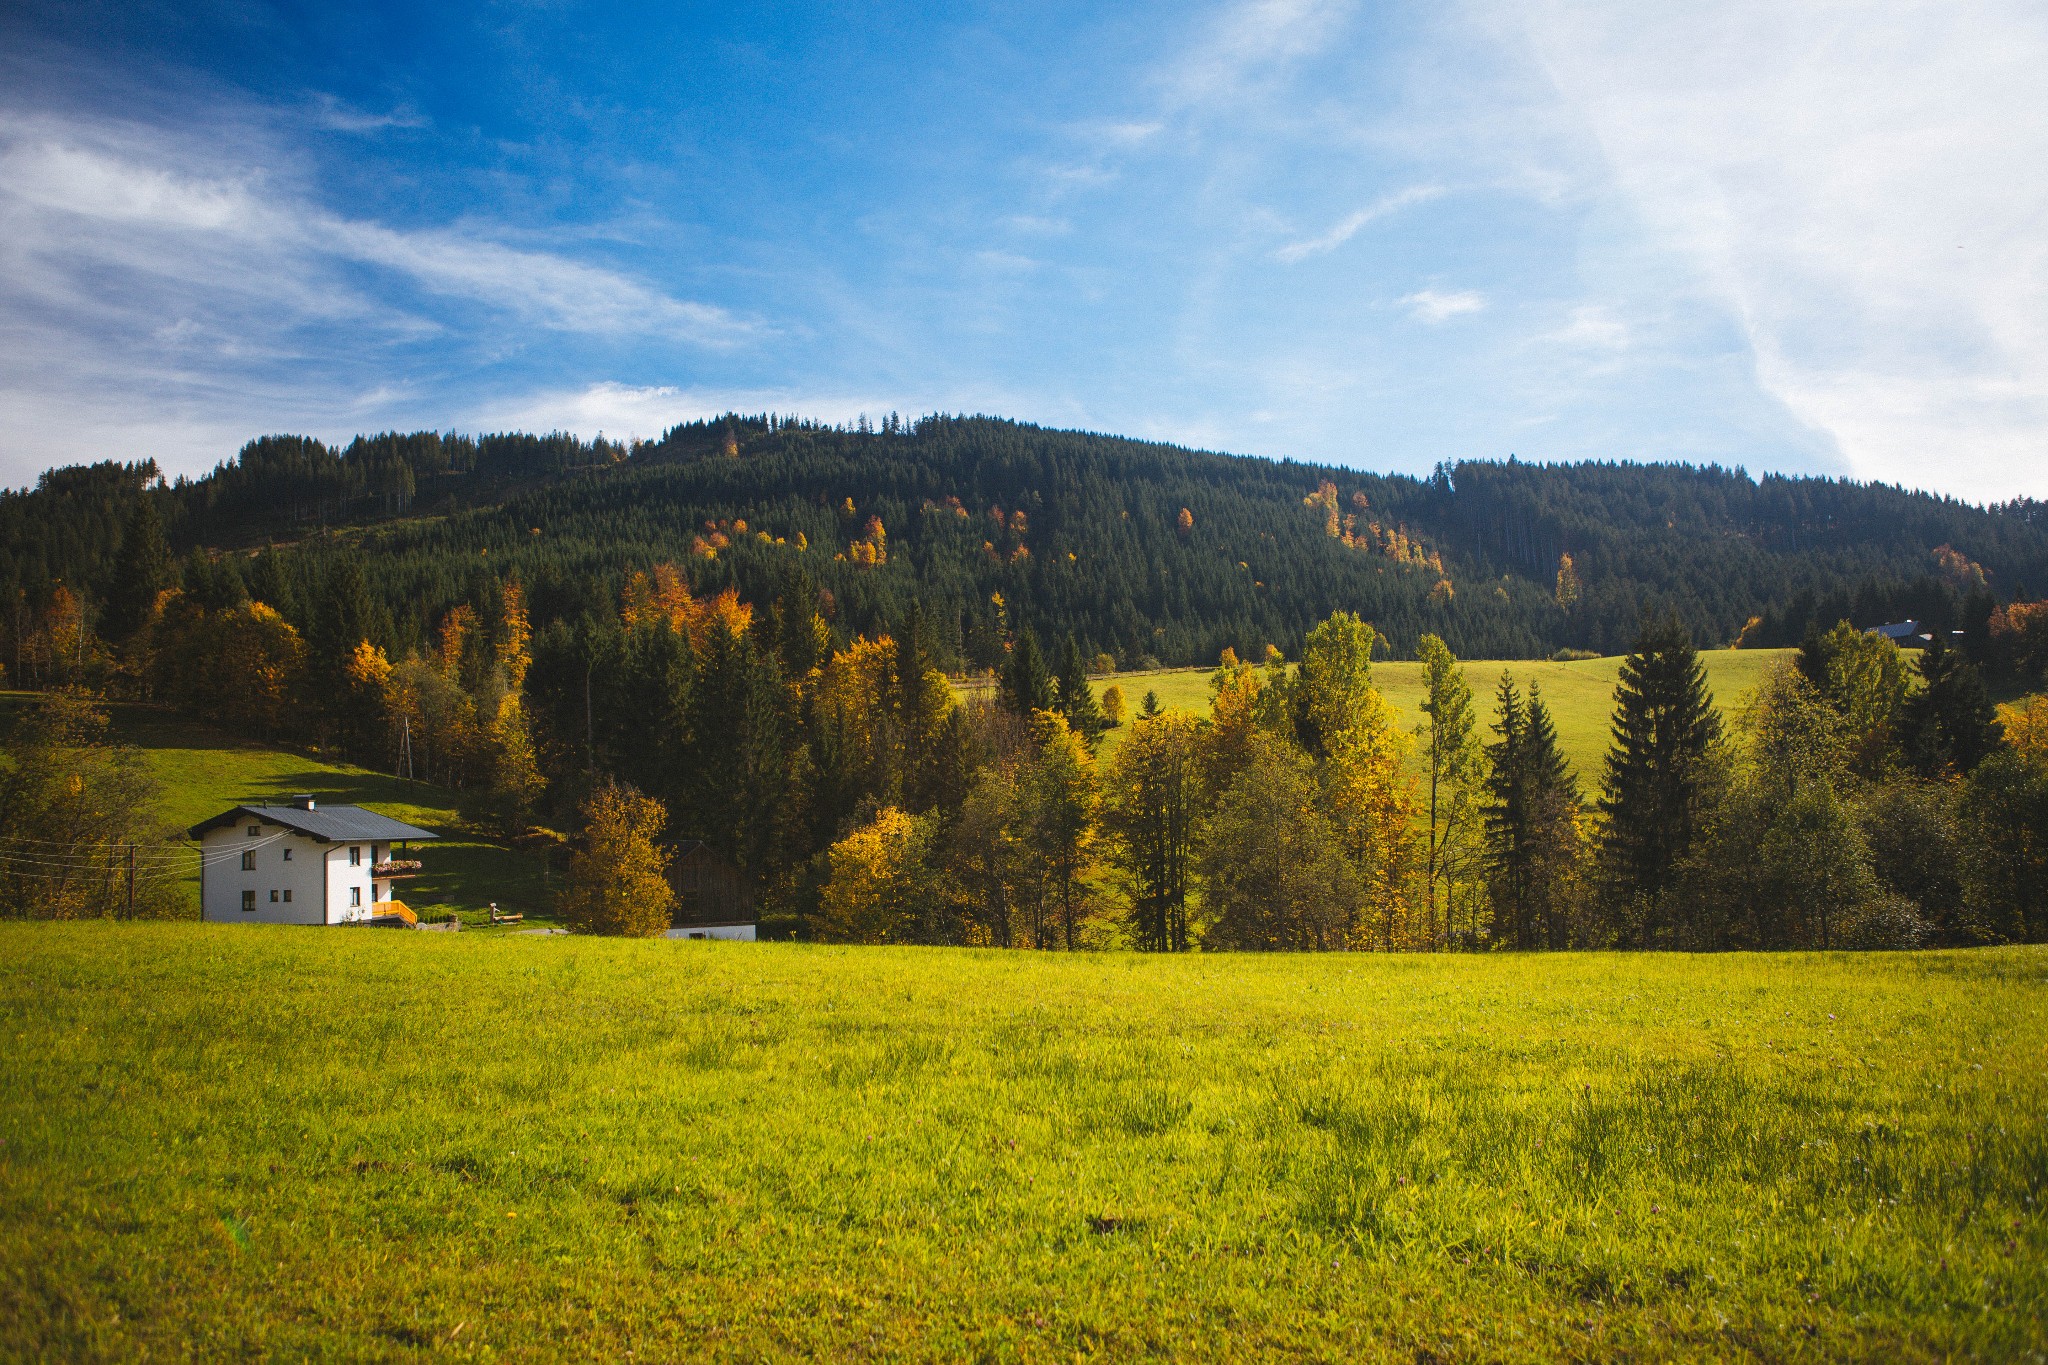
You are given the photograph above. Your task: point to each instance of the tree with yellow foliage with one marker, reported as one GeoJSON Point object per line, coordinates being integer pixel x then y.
{"type": "Point", "coordinates": [879, 890]}
{"type": "Point", "coordinates": [618, 878]}
{"type": "Point", "coordinates": [1113, 706]}
{"type": "Point", "coordinates": [1341, 721]}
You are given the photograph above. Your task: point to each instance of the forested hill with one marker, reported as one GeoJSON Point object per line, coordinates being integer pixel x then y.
{"type": "Point", "coordinates": [1145, 551]}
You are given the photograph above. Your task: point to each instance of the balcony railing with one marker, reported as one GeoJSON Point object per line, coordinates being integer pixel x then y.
{"type": "Point", "coordinates": [396, 867]}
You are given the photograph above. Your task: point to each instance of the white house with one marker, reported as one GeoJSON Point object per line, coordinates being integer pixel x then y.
{"type": "Point", "coordinates": [301, 863]}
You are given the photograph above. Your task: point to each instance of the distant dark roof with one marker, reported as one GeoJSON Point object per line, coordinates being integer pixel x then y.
{"type": "Point", "coordinates": [336, 824]}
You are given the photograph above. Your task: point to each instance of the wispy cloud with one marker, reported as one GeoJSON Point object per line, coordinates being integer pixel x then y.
{"type": "Point", "coordinates": [92, 205]}
{"type": "Point", "coordinates": [1349, 228]}
{"type": "Point", "coordinates": [644, 411]}
{"type": "Point", "coordinates": [1861, 185]}
{"type": "Point", "coordinates": [1432, 306]}
{"type": "Point", "coordinates": [142, 271]}
{"type": "Point", "coordinates": [339, 116]}
{"type": "Point", "coordinates": [1590, 328]}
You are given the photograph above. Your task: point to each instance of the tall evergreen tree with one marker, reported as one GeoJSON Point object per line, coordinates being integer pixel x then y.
{"type": "Point", "coordinates": [142, 569]}
{"type": "Point", "coordinates": [1950, 722]}
{"type": "Point", "coordinates": [1027, 687]}
{"type": "Point", "coordinates": [1531, 823]}
{"type": "Point", "coordinates": [1657, 777]}
{"type": "Point", "coordinates": [341, 620]}
{"type": "Point", "coordinates": [1076, 698]}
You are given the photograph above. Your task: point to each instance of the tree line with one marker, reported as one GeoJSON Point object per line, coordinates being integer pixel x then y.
{"type": "Point", "coordinates": [1149, 553]}
{"type": "Point", "coordinates": [1854, 800]}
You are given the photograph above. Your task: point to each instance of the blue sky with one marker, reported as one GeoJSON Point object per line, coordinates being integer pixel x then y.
{"type": "Point", "coordinates": [1797, 237]}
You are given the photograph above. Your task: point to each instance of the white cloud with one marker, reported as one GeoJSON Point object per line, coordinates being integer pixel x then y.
{"type": "Point", "coordinates": [1346, 230]}
{"type": "Point", "coordinates": [1865, 186]}
{"type": "Point", "coordinates": [642, 412]}
{"type": "Point", "coordinates": [97, 203]}
{"type": "Point", "coordinates": [338, 116]}
{"type": "Point", "coordinates": [1432, 306]}
{"type": "Point", "coordinates": [202, 284]}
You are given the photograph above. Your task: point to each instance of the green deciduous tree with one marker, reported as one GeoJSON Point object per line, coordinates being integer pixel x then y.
{"type": "Point", "coordinates": [1151, 799]}
{"type": "Point", "coordinates": [1452, 762]}
{"type": "Point", "coordinates": [1272, 864]}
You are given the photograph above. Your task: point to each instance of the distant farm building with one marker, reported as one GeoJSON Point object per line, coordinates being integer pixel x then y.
{"type": "Point", "coordinates": [713, 898]}
{"type": "Point", "coordinates": [303, 863]}
{"type": "Point", "coordinates": [1909, 635]}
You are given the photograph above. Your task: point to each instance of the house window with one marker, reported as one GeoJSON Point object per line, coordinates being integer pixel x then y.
{"type": "Point", "coordinates": [255, 830]}
{"type": "Point", "coordinates": [355, 855]}
{"type": "Point", "coordinates": [273, 895]}
{"type": "Point", "coordinates": [287, 895]}
{"type": "Point", "coordinates": [355, 895]}
{"type": "Point", "coordinates": [248, 862]}
{"type": "Point", "coordinates": [287, 855]}
{"type": "Point", "coordinates": [248, 900]}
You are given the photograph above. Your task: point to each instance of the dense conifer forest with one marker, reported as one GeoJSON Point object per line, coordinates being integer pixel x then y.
{"type": "Point", "coordinates": [1146, 552]}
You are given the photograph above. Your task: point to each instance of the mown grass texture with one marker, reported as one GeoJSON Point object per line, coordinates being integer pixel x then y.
{"type": "Point", "coordinates": [354, 1144]}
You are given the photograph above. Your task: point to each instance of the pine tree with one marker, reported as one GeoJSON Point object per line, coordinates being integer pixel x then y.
{"type": "Point", "coordinates": [341, 621]}
{"type": "Point", "coordinates": [1026, 685]}
{"type": "Point", "coordinates": [1657, 777]}
{"type": "Point", "coordinates": [1950, 723]}
{"type": "Point", "coordinates": [1076, 698]}
{"type": "Point", "coordinates": [142, 569]}
{"type": "Point", "coordinates": [1531, 823]}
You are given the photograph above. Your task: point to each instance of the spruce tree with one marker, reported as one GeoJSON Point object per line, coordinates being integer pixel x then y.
{"type": "Point", "coordinates": [1656, 782]}
{"type": "Point", "coordinates": [1506, 816]}
{"type": "Point", "coordinates": [1950, 722]}
{"type": "Point", "coordinates": [341, 621]}
{"type": "Point", "coordinates": [1026, 685]}
{"type": "Point", "coordinates": [1076, 698]}
{"type": "Point", "coordinates": [1552, 829]}
{"type": "Point", "coordinates": [142, 569]}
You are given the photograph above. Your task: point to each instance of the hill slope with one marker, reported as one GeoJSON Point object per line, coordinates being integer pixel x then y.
{"type": "Point", "coordinates": [1072, 531]}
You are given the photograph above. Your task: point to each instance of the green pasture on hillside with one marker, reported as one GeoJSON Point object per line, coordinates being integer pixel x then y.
{"type": "Point", "coordinates": [1580, 693]}
{"type": "Point", "coordinates": [348, 1144]}
{"type": "Point", "coordinates": [203, 771]}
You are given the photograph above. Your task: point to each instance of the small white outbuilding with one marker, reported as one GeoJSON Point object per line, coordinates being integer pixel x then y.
{"type": "Point", "coordinates": [301, 863]}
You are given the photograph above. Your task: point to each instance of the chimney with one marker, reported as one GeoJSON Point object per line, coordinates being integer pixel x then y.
{"type": "Point", "coordinates": [302, 803]}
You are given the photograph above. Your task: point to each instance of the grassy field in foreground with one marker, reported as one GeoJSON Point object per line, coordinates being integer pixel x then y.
{"type": "Point", "coordinates": [204, 771]}
{"type": "Point", "coordinates": [346, 1144]}
{"type": "Point", "coordinates": [1580, 694]}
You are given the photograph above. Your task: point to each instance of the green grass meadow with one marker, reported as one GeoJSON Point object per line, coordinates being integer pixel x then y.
{"type": "Point", "coordinates": [241, 1141]}
{"type": "Point", "coordinates": [1580, 693]}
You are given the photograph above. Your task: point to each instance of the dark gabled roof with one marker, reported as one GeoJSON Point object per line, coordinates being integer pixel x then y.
{"type": "Point", "coordinates": [335, 824]}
